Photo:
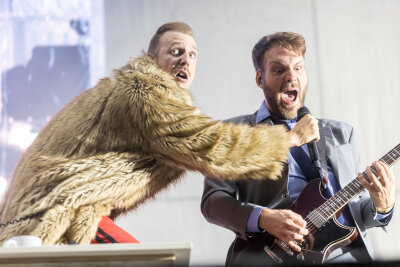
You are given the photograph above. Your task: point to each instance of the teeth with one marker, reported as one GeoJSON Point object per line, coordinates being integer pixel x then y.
{"type": "Point", "coordinates": [182, 75]}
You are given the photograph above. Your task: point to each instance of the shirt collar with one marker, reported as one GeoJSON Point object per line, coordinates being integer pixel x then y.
{"type": "Point", "coordinates": [263, 113]}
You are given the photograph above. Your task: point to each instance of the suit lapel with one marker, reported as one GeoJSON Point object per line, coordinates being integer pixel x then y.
{"type": "Point", "coordinates": [253, 118]}
{"type": "Point", "coordinates": [331, 152]}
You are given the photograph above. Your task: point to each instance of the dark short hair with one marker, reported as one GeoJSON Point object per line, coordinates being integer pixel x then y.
{"type": "Point", "coordinates": [171, 26]}
{"type": "Point", "coordinates": [288, 40]}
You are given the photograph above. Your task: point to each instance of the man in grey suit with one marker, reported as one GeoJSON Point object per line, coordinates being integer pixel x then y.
{"type": "Point", "coordinates": [251, 207]}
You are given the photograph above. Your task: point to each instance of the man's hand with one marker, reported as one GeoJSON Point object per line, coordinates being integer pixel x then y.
{"type": "Point", "coordinates": [285, 225]}
{"type": "Point", "coordinates": [305, 131]}
{"type": "Point", "coordinates": [381, 188]}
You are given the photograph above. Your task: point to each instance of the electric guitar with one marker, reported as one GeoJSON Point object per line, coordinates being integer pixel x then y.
{"type": "Point", "coordinates": [325, 232]}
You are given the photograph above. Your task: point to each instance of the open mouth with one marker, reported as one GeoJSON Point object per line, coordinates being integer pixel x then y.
{"type": "Point", "coordinates": [289, 96]}
{"type": "Point", "coordinates": [182, 75]}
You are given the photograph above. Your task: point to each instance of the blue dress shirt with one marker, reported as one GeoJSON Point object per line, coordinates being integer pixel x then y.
{"type": "Point", "coordinates": [297, 181]}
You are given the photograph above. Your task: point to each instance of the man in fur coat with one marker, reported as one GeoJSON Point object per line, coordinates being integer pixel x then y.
{"type": "Point", "coordinates": [116, 145]}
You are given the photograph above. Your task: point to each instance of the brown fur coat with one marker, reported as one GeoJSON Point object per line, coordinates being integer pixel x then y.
{"type": "Point", "coordinates": [118, 144]}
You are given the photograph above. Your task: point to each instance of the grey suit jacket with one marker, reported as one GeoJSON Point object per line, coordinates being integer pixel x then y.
{"type": "Point", "coordinates": [229, 204]}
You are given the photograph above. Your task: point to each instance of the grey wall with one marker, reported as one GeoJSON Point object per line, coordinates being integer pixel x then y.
{"type": "Point", "coordinates": [353, 61]}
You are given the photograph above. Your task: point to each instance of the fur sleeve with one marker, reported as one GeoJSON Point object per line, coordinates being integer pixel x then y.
{"type": "Point", "coordinates": [179, 133]}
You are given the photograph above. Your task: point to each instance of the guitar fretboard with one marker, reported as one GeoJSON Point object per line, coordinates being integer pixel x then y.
{"type": "Point", "coordinates": [346, 194]}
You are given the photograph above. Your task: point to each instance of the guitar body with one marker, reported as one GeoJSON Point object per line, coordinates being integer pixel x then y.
{"type": "Point", "coordinates": [329, 237]}
{"type": "Point", "coordinates": [320, 243]}
{"type": "Point", "coordinates": [325, 233]}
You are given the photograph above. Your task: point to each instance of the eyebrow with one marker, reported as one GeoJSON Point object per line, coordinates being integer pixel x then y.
{"type": "Point", "coordinates": [280, 62]}
{"type": "Point", "coordinates": [179, 43]}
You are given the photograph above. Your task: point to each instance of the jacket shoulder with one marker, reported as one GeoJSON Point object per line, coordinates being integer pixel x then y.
{"type": "Point", "coordinates": [334, 124]}
{"type": "Point", "coordinates": [146, 66]}
{"type": "Point", "coordinates": [146, 81]}
{"type": "Point", "coordinates": [341, 131]}
{"type": "Point", "coordinates": [248, 119]}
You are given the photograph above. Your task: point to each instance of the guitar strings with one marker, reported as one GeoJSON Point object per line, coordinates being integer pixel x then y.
{"type": "Point", "coordinates": [344, 193]}
{"type": "Point", "coordinates": [323, 211]}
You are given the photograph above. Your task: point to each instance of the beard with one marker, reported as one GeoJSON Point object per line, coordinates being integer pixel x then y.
{"type": "Point", "coordinates": [281, 110]}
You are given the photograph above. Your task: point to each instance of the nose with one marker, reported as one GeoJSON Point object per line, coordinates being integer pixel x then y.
{"type": "Point", "coordinates": [186, 60]}
{"type": "Point", "coordinates": [291, 76]}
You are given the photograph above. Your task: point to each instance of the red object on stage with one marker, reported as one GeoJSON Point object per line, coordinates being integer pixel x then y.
{"type": "Point", "coordinates": [109, 232]}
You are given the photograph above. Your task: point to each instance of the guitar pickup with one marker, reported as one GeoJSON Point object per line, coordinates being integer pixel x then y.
{"type": "Point", "coordinates": [273, 255]}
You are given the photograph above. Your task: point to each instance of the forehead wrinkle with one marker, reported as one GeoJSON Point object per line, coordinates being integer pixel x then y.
{"type": "Point", "coordinates": [283, 62]}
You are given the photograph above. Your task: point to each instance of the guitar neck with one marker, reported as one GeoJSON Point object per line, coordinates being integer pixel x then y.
{"type": "Point", "coordinates": [346, 194]}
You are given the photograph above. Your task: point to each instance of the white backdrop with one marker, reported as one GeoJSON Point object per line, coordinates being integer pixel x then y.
{"type": "Point", "coordinates": [353, 62]}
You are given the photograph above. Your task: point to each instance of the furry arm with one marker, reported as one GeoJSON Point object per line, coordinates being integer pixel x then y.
{"type": "Point", "coordinates": [177, 132]}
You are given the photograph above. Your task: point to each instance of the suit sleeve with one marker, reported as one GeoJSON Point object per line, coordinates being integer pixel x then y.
{"type": "Point", "coordinates": [180, 134]}
{"type": "Point", "coordinates": [364, 205]}
{"type": "Point", "coordinates": [220, 206]}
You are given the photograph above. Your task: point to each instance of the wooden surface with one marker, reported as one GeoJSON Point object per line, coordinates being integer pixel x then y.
{"type": "Point", "coordinates": [151, 254]}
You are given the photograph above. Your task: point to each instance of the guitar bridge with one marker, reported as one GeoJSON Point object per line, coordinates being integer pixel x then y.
{"type": "Point", "coordinates": [283, 246]}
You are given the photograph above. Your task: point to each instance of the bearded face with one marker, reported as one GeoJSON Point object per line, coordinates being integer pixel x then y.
{"type": "Point", "coordinates": [284, 81]}
{"type": "Point", "coordinates": [286, 103]}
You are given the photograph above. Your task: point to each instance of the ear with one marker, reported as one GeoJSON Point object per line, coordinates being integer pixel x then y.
{"type": "Point", "coordinates": [259, 79]}
{"type": "Point", "coordinates": [151, 55]}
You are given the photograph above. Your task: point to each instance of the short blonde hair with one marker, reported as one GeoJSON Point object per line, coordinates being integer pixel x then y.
{"type": "Point", "coordinates": [171, 26]}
